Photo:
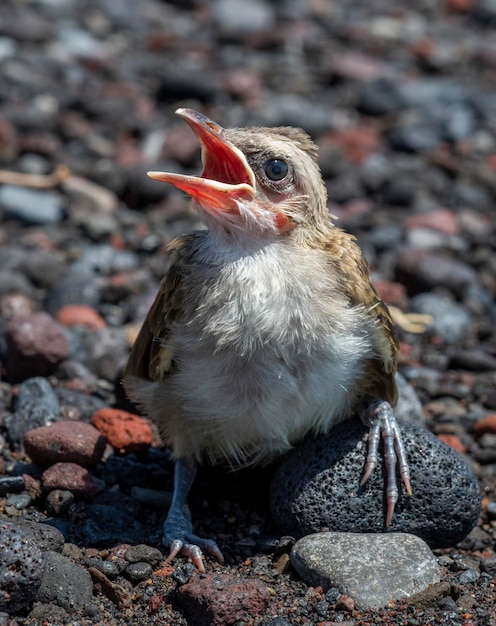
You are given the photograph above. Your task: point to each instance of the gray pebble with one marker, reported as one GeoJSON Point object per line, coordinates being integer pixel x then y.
{"type": "Point", "coordinates": [145, 553]}
{"type": "Point", "coordinates": [450, 320]}
{"type": "Point", "coordinates": [36, 405]}
{"type": "Point", "coordinates": [65, 583]}
{"type": "Point", "coordinates": [21, 567]}
{"type": "Point", "coordinates": [31, 206]}
{"type": "Point", "coordinates": [58, 502]}
{"type": "Point", "coordinates": [136, 572]}
{"type": "Point", "coordinates": [373, 569]}
{"type": "Point", "coordinates": [236, 17]}
{"type": "Point", "coordinates": [19, 500]}
{"type": "Point", "coordinates": [109, 568]}
{"type": "Point", "coordinates": [468, 576]}
{"type": "Point", "coordinates": [491, 510]}
{"type": "Point", "coordinates": [317, 487]}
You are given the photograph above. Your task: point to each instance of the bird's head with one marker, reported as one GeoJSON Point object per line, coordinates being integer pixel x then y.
{"type": "Point", "coordinates": [264, 182]}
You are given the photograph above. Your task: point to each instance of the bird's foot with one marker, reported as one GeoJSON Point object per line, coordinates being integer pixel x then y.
{"type": "Point", "coordinates": [180, 539]}
{"type": "Point", "coordinates": [379, 418]}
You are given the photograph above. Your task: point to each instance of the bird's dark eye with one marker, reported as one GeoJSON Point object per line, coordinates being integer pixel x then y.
{"type": "Point", "coordinates": [276, 169]}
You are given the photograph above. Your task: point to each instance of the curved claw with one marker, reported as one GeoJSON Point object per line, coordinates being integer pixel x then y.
{"type": "Point", "coordinates": [193, 547]}
{"type": "Point", "coordinates": [379, 417]}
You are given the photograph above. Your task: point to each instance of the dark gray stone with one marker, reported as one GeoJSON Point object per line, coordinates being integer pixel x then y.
{"type": "Point", "coordinates": [317, 487]}
{"type": "Point", "coordinates": [373, 569]}
{"type": "Point", "coordinates": [21, 567]}
{"type": "Point", "coordinates": [144, 553]}
{"type": "Point", "coordinates": [106, 525]}
{"type": "Point", "coordinates": [45, 535]}
{"type": "Point", "coordinates": [136, 572]}
{"type": "Point", "coordinates": [65, 583]}
{"type": "Point", "coordinates": [37, 405]}
{"type": "Point", "coordinates": [11, 484]}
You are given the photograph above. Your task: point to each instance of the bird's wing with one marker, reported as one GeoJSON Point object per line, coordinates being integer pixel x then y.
{"type": "Point", "coordinates": [379, 379]}
{"type": "Point", "coordinates": [151, 357]}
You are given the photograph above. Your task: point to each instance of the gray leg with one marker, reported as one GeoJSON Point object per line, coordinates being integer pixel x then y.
{"type": "Point", "coordinates": [379, 417]}
{"type": "Point", "coordinates": [178, 533]}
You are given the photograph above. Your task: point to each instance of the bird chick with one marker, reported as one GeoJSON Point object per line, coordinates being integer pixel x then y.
{"type": "Point", "coordinates": [266, 327]}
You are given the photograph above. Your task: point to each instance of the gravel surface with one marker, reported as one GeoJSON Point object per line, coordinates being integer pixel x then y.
{"type": "Point", "coordinates": [401, 98]}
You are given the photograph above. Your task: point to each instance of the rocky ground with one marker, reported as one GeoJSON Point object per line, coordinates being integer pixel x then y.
{"type": "Point", "coordinates": [401, 98]}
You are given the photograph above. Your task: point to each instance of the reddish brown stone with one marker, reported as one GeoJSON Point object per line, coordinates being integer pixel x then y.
{"type": "Point", "coordinates": [485, 425]}
{"type": "Point", "coordinates": [35, 343]}
{"type": "Point", "coordinates": [71, 477]}
{"type": "Point", "coordinates": [358, 143]}
{"type": "Point", "coordinates": [80, 315]}
{"type": "Point", "coordinates": [65, 442]}
{"type": "Point", "coordinates": [453, 442]}
{"type": "Point", "coordinates": [124, 431]}
{"type": "Point", "coordinates": [221, 599]}
{"type": "Point", "coordinates": [441, 220]}
{"type": "Point", "coordinates": [391, 292]}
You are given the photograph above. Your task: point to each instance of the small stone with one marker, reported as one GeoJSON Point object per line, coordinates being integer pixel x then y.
{"type": "Point", "coordinates": [21, 568]}
{"type": "Point", "coordinates": [485, 425]}
{"type": "Point", "coordinates": [450, 320]}
{"type": "Point", "coordinates": [373, 569]}
{"type": "Point", "coordinates": [58, 502]}
{"type": "Point", "coordinates": [441, 220]}
{"type": "Point", "coordinates": [144, 553]}
{"type": "Point", "coordinates": [33, 207]}
{"type": "Point", "coordinates": [488, 565]}
{"type": "Point", "coordinates": [124, 431]}
{"type": "Point", "coordinates": [11, 484]}
{"type": "Point", "coordinates": [453, 442]}
{"type": "Point", "coordinates": [317, 487]}
{"type": "Point", "coordinates": [421, 271]}
{"type": "Point", "coordinates": [238, 18]}
{"type": "Point", "coordinates": [35, 344]}
{"type": "Point", "coordinates": [136, 572]}
{"type": "Point", "coordinates": [36, 405]}
{"type": "Point", "coordinates": [65, 442]}
{"type": "Point", "coordinates": [80, 315]}
{"type": "Point", "coordinates": [222, 600]}
{"type": "Point", "coordinates": [72, 477]}
{"type": "Point", "coordinates": [65, 583]}
{"type": "Point", "coordinates": [105, 351]}
{"type": "Point", "coordinates": [19, 501]}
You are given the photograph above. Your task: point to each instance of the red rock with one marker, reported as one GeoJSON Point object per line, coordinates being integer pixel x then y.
{"type": "Point", "coordinates": [124, 431]}
{"type": "Point", "coordinates": [357, 66]}
{"type": "Point", "coordinates": [391, 292]}
{"type": "Point", "coordinates": [71, 477]}
{"type": "Point", "coordinates": [453, 442]}
{"type": "Point", "coordinates": [485, 425]}
{"type": "Point", "coordinates": [35, 343]}
{"type": "Point", "coordinates": [65, 442]}
{"type": "Point", "coordinates": [358, 143]}
{"type": "Point", "coordinates": [345, 603]}
{"type": "Point", "coordinates": [441, 220]}
{"type": "Point", "coordinates": [80, 315]}
{"type": "Point", "coordinates": [221, 599]}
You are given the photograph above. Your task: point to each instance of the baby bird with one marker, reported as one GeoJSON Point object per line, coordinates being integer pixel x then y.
{"type": "Point", "coordinates": [266, 327]}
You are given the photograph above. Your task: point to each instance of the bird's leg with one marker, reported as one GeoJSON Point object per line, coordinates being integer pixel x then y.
{"type": "Point", "coordinates": [379, 417]}
{"type": "Point", "coordinates": [178, 532]}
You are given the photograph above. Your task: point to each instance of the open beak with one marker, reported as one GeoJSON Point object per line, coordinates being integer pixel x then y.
{"type": "Point", "coordinates": [226, 177]}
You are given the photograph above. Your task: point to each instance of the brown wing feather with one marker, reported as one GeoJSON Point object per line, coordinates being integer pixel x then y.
{"type": "Point", "coordinates": [379, 379]}
{"type": "Point", "coordinates": [151, 358]}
